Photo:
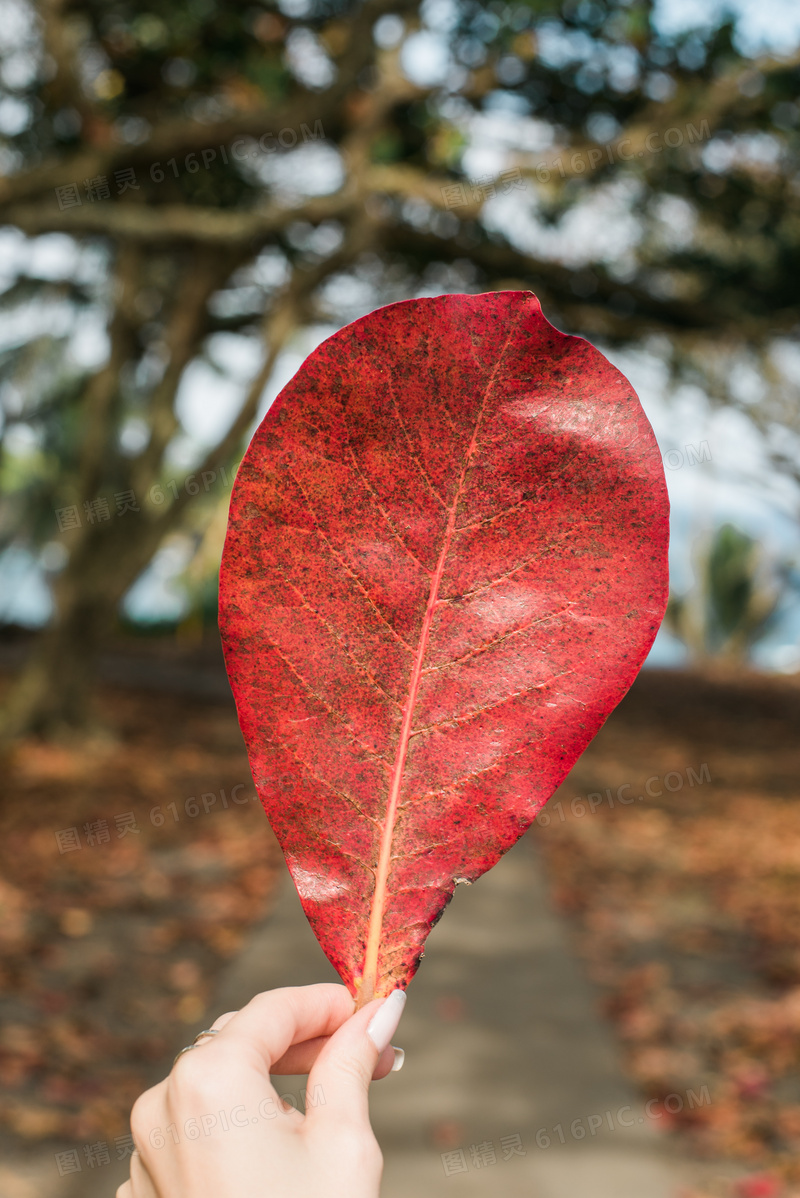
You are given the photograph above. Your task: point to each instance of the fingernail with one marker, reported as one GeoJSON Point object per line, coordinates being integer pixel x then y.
{"type": "Point", "coordinates": [399, 1057]}
{"type": "Point", "coordinates": [383, 1024]}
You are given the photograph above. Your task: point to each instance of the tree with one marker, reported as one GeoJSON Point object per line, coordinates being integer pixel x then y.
{"type": "Point", "coordinates": [251, 169]}
{"type": "Point", "coordinates": [736, 597]}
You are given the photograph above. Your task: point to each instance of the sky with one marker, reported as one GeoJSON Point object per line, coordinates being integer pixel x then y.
{"type": "Point", "coordinates": [760, 24]}
{"type": "Point", "coordinates": [730, 480]}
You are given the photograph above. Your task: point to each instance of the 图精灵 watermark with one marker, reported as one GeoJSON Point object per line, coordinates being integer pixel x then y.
{"type": "Point", "coordinates": [98, 831]}
{"type": "Point", "coordinates": [98, 511]}
{"type": "Point", "coordinates": [484, 1153]}
{"type": "Point", "coordinates": [244, 149]}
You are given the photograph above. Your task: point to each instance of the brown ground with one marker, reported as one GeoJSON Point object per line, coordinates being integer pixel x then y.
{"type": "Point", "coordinates": [686, 904]}
{"type": "Point", "coordinates": [106, 950]}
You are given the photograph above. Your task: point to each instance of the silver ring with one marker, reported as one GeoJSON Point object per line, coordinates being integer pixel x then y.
{"type": "Point", "coordinates": [210, 1031]}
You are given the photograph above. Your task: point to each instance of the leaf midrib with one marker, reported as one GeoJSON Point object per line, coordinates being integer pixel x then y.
{"type": "Point", "coordinates": [369, 977]}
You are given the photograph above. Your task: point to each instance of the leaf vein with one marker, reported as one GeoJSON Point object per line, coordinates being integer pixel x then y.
{"type": "Point", "coordinates": [497, 516]}
{"type": "Point", "coordinates": [323, 781]}
{"type": "Point", "coordinates": [371, 491]}
{"type": "Point", "coordinates": [309, 689]}
{"type": "Point", "coordinates": [483, 648]}
{"type": "Point", "coordinates": [486, 769]}
{"type": "Point", "coordinates": [414, 457]}
{"type": "Point", "coordinates": [340, 557]}
{"type": "Point", "coordinates": [463, 719]}
{"type": "Point", "coordinates": [334, 633]}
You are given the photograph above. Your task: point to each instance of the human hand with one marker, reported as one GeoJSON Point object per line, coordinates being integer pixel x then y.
{"type": "Point", "coordinates": [216, 1128]}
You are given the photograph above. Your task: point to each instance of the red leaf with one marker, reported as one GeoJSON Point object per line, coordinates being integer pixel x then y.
{"type": "Point", "coordinates": [446, 560]}
{"type": "Point", "coordinates": [761, 1185]}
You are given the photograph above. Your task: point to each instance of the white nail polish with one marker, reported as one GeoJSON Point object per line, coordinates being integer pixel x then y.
{"type": "Point", "coordinates": [399, 1057]}
{"type": "Point", "coordinates": [383, 1024]}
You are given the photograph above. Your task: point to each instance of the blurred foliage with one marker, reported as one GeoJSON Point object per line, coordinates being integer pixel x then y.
{"type": "Point", "coordinates": [254, 170]}
{"type": "Point", "coordinates": [735, 599]}
{"type": "Point", "coordinates": [684, 887]}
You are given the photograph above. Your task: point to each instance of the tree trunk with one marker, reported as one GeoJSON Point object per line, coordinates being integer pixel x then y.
{"type": "Point", "coordinates": [52, 695]}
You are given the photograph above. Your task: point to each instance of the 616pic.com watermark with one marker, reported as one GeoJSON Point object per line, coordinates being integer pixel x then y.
{"type": "Point", "coordinates": [213, 1123]}
{"type": "Point", "coordinates": [457, 195]}
{"type": "Point", "coordinates": [672, 781]}
{"type": "Point", "coordinates": [620, 151]}
{"type": "Point", "coordinates": [483, 1154]}
{"type": "Point", "coordinates": [690, 455]}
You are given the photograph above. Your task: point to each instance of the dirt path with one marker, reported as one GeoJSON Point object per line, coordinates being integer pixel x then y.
{"type": "Point", "coordinates": [506, 1055]}
{"type": "Point", "coordinates": [671, 853]}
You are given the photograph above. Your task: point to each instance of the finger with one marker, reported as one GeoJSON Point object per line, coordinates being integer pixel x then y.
{"type": "Point", "coordinates": [141, 1183]}
{"type": "Point", "coordinates": [389, 1061]}
{"type": "Point", "coordinates": [300, 1058]}
{"type": "Point", "coordinates": [221, 1020]}
{"type": "Point", "coordinates": [272, 1022]}
{"type": "Point", "coordinates": [217, 1026]}
{"type": "Point", "coordinates": [346, 1064]}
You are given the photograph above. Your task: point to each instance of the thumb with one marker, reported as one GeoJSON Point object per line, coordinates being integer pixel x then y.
{"type": "Point", "coordinates": [344, 1068]}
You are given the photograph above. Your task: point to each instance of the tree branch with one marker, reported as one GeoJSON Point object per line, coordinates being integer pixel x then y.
{"type": "Point", "coordinates": [713, 106]}
{"type": "Point", "coordinates": [284, 317]}
{"type": "Point", "coordinates": [510, 268]}
{"type": "Point", "coordinates": [177, 137]}
{"type": "Point", "coordinates": [203, 275]}
{"type": "Point", "coordinates": [66, 88]}
{"type": "Point", "coordinates": [169, 223]}
{"type": "Point", "coordinates": [102, 388]}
